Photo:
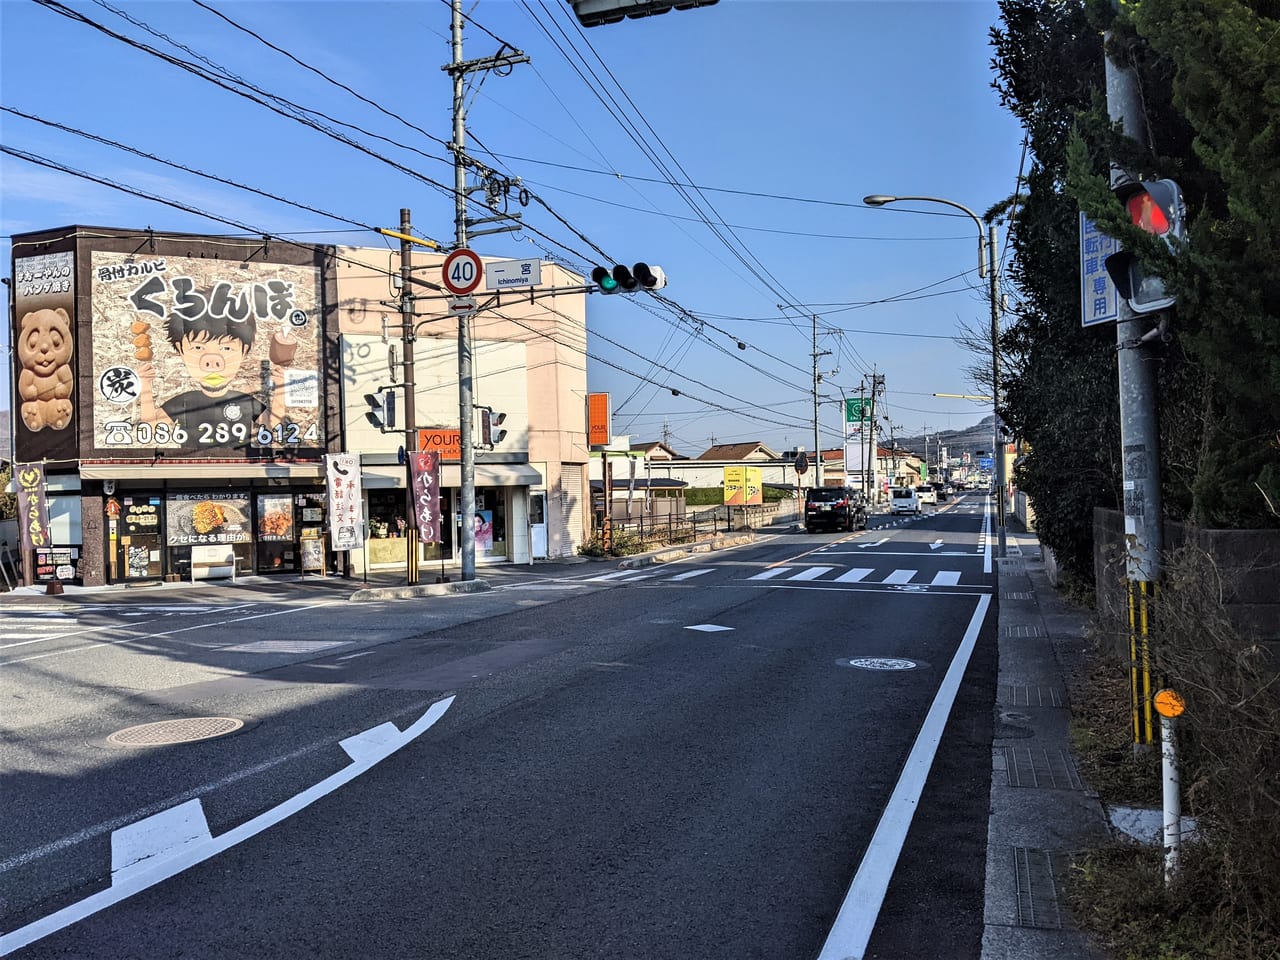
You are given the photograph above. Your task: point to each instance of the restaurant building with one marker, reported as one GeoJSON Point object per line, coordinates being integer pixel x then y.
{"type": "Point", "coordinates": [182, 391]}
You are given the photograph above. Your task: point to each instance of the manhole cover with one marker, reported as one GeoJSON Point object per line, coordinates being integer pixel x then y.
{"type": "Point", "coordinates": [167, 732]}
{"type": "Point", "coordinates": [881, 663]}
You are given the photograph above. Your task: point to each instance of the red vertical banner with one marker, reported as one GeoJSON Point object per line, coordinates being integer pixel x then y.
{"type": "Point", "coordinates": [425, 467]}
{"type": "Point", "coordinates": [33, 506]}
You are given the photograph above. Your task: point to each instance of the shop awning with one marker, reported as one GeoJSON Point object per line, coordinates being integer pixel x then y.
{"type": "Point", "coordinates": [487, 475]}
{"type": "Point", "coordinates": [179, 470]}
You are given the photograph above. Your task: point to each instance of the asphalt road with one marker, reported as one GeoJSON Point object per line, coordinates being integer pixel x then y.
{"type": "Point", "coordinates": [711, 758]}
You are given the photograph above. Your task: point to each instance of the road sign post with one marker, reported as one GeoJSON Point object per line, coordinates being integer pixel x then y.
{"type": "Point", "coordinates": [462, 272]}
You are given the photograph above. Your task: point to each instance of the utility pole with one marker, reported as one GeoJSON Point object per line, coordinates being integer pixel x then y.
{"type": "Point", "coordinates": [862, 420]}
{"type": "Point", "coordinates": [458, 70]}
{"type": "Point", "coordinates": [817, 378]}
{"type": "Point", "coordinates": [407, 317]}
{"type": "Point", "coordinates": [1002, 482]}
{"type": "Point", "coordinates": [1139, 441]}
{"type": "Point", "coordinates": [877, 386]}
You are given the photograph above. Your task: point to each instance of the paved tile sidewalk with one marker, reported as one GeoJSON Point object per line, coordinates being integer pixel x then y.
{"type": "Point", "coordinates": [1041, 811]}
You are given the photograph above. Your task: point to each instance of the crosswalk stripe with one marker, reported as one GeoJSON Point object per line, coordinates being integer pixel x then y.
{"type": "Point", "coordinates": [627, 575]}
{"type": "Point", "coordinates": [946, 578]}
{"type": "Point", "coordinates": [769, 574]}
{"type": "Point", "coordinates": [811, 573]}
{"type": "Point", "coordinates": [900, 576]}
{"type": "Point", "coordinates": [690, 574]}
{"type": "Point", "coordinates": [854, 575]}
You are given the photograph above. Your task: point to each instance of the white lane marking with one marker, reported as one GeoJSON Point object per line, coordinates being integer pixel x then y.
{"type": "Point", "coordinates": [616, 575]}
{"type": "Point", "coordinates": [769, 574]}
{"type": "Point", "coordinates": [946, 578]}
{"type": "Point", "coordinates": [362, 653]}
{"type": "Point", "coordinates": [857, 917]}
{"type": "Point", "coordinates": [164, 866]}
{"type": "Point", "coordinates": [150, 841]}
{"type": "Point", "coordinates": [811, 573]}
{"type": "Point", "coordinates": [169, 633]}
{"type": "Point", "coordinates": [900, 576]}
{"type": "Point", "coordinates": [863, 546]}
{"type": "Point", "coordinates": [690, 574]}
{"type": "Point", "coordinates": [986, 538]}
{"type": "Point", "coordinates": [854, 575]}
{"type": "Point", "coordinates": [935, 545]}
{"type": "Point", "coordinates": [708, 627]}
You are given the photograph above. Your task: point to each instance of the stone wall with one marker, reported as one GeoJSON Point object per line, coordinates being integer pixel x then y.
{"type": "Point", "coordinates": [1249, 561]}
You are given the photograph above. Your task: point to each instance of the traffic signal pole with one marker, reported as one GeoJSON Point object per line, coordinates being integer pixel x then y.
{"type": "Point", "coordinates": [1139, 442]}
{"type": "Point", "coordinates": [458, 69]}
{"type": "Point", "coordinates": [467, 508]}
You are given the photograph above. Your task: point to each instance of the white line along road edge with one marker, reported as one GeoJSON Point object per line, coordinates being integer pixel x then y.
{"type": "Point", "coordinates": [857, 917]}
{"type": "Point", "coordinates": [144, 863]}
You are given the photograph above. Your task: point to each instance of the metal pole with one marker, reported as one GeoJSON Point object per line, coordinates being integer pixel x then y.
{"type": "Point", "coordinates": [993, 271]}
{"type": "Point", "coordinates": [410, 424]}
{"type": "Point", "coordinates": [467, 540]}
{"type": "Point", "coordinates": [1139, 443]}
{"type": "Point", "coordinates": [817, 444]}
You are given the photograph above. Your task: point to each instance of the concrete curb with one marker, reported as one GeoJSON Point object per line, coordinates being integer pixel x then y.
{"type": "Point", "coordinates": [407, 592]}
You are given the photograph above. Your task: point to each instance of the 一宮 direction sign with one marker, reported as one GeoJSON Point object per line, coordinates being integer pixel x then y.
{"type": "Point", "coordinates": [505, 274]}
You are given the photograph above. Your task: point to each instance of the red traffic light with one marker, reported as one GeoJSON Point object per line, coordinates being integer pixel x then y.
{"type": "Point", "coordinates": [1155, 206]}
{"type": "Point", "coordinates": [1146, 213]}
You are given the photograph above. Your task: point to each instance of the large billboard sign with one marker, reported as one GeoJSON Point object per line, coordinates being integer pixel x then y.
{"type": "Point", "coordinates": [45, 356]}
{"type": "Point", "coordinates": [200, 357]}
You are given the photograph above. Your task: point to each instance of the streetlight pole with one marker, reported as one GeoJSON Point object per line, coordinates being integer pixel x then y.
{"type": "Point", "coordinates": [988, 266]}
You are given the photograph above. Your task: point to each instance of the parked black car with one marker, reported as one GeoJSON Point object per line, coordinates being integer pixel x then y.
{"type": "Point", "coordinates": [840, 508]}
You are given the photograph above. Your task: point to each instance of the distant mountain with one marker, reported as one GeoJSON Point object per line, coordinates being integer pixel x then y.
{"type": "Point", "coordinates": [969, 440]}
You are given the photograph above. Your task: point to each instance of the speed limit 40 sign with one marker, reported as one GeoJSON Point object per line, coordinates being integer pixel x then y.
{"type": "Point", "coordinates": [462, 271]}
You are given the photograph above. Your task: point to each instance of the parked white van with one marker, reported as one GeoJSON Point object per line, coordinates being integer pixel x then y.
{"type": "Point", "coordinates": [903, 500]}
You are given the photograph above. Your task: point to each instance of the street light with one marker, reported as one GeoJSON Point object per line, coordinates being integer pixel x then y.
{"type": "Point", "coordinates": [988, 266]}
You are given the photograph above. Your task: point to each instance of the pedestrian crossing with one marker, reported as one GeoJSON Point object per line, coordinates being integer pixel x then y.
{"type": "Point", "coordinates": [816, 574]}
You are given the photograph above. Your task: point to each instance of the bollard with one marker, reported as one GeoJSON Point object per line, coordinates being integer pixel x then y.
{"type": "Point", "coordinates": [1170, 705]}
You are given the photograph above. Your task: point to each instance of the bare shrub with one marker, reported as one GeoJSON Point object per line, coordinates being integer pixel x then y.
{"type": "Point", "coordinates": [1230, 742]}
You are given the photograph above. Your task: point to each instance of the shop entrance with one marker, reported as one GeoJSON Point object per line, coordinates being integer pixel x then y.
{"type": "Point", "coordinates": [139, 545]}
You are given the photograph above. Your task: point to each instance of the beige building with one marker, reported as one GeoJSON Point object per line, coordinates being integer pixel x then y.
{"type": "Point", "coordinates": [528, 362]}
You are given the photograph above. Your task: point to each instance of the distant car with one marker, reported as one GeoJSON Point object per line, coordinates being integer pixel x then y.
{"type": "Point", "coordinates": [838, 508]}
{"type": "Point", "coordinates": [927, 494]}
{"type": "Point", "coordinates": [903, 500]}
{"type": "Point", "coordinates": [942, 491]}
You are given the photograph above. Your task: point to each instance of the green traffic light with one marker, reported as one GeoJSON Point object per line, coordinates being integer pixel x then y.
{"type": "Point", "coordinates": [603, 278]}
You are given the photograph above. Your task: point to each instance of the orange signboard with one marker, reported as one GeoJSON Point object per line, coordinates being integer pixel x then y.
{"type": "Point", "coordinates": [448, 440]}
{"type": "Point", "coordinates": [598, 432]}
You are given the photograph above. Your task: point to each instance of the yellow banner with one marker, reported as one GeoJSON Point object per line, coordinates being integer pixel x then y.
{"type": "Point", "coordinates": [735, 482]}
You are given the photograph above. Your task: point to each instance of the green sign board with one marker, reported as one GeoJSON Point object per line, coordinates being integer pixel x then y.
{"type": "Point", "coordinates": [856, 409]}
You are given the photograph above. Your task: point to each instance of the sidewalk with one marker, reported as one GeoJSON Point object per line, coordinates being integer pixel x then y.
{"type": "Point", "coordinates": [1041, 811]}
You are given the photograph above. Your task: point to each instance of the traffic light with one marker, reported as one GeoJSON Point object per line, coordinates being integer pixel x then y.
{"type": "Point", "coordinates": [592, 13]}
{"type": "Point", "coordinates": [624, 279]}
{"type": "Point", "coordinates": [490, 435]}
{"type": "Point", "coordinates": [1157, 207]}
{"type": "Point", "coordinates": [382, 409]}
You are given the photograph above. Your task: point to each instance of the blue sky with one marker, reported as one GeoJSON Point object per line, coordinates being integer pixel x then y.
{"type": "Point", "coordinates": [775, 116]}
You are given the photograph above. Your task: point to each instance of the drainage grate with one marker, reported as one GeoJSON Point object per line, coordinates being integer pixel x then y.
{"type": "Point", "coordinates": [1037, 767]}
{"type": "Point", "coordinates": [1022, 695]}
{"type": "Point", "coordinates": [167, 732]}
{"type": "Point", "coordinates": [1027, 630]}
{"type": "Point", "coordinates": [1038, 873]}
{"type": "Point", "coordinates": [1017, 595]}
